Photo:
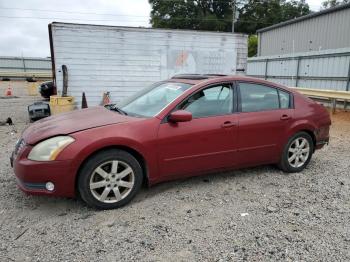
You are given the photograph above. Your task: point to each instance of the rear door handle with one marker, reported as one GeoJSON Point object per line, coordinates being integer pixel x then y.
{"type": "Point", "coordinates": [285, 117]}
{"type": "Point", "coordinates": [228, 124]}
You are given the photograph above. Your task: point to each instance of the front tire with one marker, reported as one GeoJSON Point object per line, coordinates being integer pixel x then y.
{"type": "Point", "coordinates": [297, 153]}
{"type": "Point", "coordinates": [110, 179]}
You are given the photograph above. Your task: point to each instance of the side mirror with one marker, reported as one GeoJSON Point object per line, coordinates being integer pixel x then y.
{"type": "Point", "coordinates": [180, 116]}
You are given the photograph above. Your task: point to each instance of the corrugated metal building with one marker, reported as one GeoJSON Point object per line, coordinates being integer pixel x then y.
{"type": "Point", "coordinates": [327, 29]}
{"type": "Point", "coordinates": [311, 51]}
{"type": "Point", "coordinates": [329, 69]}
{"type": "Point", "coordinates": [123, 60]}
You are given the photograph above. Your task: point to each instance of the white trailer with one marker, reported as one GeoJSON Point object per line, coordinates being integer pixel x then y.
{"type": "Point", "coordinates": [123, 60]}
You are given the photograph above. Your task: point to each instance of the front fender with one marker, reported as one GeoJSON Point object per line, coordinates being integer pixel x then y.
{"type": "Point", "coordinates": [90, 142]}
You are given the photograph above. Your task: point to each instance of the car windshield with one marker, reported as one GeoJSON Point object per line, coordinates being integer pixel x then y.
{"type": "Point", "coordinates": [151, 100]}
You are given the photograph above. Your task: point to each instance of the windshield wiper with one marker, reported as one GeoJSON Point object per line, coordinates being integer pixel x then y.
{"type": "Point", "coordinates": [114, 107]}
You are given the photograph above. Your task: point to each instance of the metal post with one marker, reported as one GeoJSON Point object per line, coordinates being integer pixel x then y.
{"type": "Point", "coordinates": [65, 80]}
{"type": "Point", "coordinates": [266, 63]}
{"type": "Point", "coordinates": [297, 74]}
{"type": "Point", "coordinates": [24, 64]}
{"type": "Point", "coordinates": [348, 81]}
{"type": "Point", "coordinates": [334, 105]}
{"type": "Point", "coordinates": [259, 44]}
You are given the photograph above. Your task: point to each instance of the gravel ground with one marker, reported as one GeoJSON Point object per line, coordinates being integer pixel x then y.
{"type": "Point", "coordinates": [257, 214]}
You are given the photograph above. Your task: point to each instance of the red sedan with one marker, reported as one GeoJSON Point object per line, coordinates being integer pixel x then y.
{"type": "Point", "coordinates": [186, 126]}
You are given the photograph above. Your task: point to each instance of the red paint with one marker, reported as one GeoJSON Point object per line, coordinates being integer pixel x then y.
{"type": "Point", "coordinates": [170, 149]}
{"type": "Point", "coordinates": [262, 135]}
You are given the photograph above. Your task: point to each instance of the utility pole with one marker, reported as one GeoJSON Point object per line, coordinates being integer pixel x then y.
{"type": "Point", "coordinates": [234, 18]}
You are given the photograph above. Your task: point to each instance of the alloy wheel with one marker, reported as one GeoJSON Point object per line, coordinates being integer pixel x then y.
{"type": "Point", "coordinates": [112, 181]}
{"type": "Point", "coordinates": [298, 152]}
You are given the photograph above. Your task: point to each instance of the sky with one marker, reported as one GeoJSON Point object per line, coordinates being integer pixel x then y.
{"type": "Point", "coordinates": [23, 23]}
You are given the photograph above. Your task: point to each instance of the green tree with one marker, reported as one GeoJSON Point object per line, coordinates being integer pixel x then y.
{"type": "Point", "coordinates": [333, 3]}
{"type": "Point", "coordinates": [254, 14]}
{"type": "Point", "coordinates": [213, 15]}
{"type": "Point", "coordinates": [252, 45]}
{"type": "Point", "coordinates": [216, 15]}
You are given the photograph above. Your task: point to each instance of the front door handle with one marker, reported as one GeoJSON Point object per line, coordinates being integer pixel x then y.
{"type": "Point", "coordinates": [228, 124]}
{"type": "Point", "coordinates": [285, 117]}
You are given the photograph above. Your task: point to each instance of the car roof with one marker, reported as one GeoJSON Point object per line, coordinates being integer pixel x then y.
{"type": "Point", "coordinates": [204, 79]}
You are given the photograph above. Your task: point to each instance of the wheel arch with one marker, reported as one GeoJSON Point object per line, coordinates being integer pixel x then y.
{"type": "Point", "coordinates": [304, 126]}
{"type": "Point", "coordinates": [313, 136]}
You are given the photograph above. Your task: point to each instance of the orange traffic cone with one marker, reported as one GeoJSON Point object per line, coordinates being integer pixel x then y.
{"type": "Point", "coordinates": [8, 91]}
{"type": "Point", "coordinates": [106, 99]}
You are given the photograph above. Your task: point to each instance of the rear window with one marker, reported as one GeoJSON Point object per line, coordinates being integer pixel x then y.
{"type": "Point", "coordinates": [258, 98]}
{"type": "Point", "coordinates": [285, 100]}
{"type": "Point", "coordinates": [255, 97]}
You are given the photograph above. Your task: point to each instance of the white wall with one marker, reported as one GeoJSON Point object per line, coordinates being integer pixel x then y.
{"type": "Point", "coordinates": [123, 60]}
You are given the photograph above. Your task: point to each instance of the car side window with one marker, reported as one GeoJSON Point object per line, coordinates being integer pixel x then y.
{"type": "Point", "coordinates": [213, 101]}
{"type": "Point", "coordinates": [255, 97]}
{"type": "Point", "coordinates": [285, 100]}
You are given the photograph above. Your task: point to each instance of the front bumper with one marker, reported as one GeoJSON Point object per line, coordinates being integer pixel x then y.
{"type": "Point", "coordinates": [33, 175]}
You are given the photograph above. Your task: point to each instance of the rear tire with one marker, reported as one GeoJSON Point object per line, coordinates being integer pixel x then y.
{"type": "Point", "coordinates": [297, 153]}
{"type": "Point", "coordinates": [110, 179]}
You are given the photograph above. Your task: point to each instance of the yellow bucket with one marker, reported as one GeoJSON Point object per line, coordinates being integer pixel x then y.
{"type": "Point", "coordinates": [32, 88]}
{"type": "Point", "coordinates": [60, 104]}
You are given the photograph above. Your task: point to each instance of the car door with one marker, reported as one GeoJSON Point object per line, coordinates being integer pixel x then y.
{"type": "Point", "coordinates": [206, 142]}
{"type": "Point", "coordinates": [265, 115]}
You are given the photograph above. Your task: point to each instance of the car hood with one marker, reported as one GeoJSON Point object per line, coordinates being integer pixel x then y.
{"type": "Point", "coordinates": [70, 122]}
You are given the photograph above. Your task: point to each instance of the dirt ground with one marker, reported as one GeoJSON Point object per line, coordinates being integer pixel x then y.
{"type": "Point", "coordinates": [256, 214]}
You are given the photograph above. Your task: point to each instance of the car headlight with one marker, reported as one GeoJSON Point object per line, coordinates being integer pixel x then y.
{"type": "Point", "coordinates": [49, 149]}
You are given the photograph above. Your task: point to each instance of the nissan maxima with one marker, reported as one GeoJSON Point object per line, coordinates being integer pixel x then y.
{"type": "Point", "coordinates": [185, 126]}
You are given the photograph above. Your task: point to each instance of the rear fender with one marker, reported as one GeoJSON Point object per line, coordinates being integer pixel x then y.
{"type": "Point", "coordinates": [299, 126]}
